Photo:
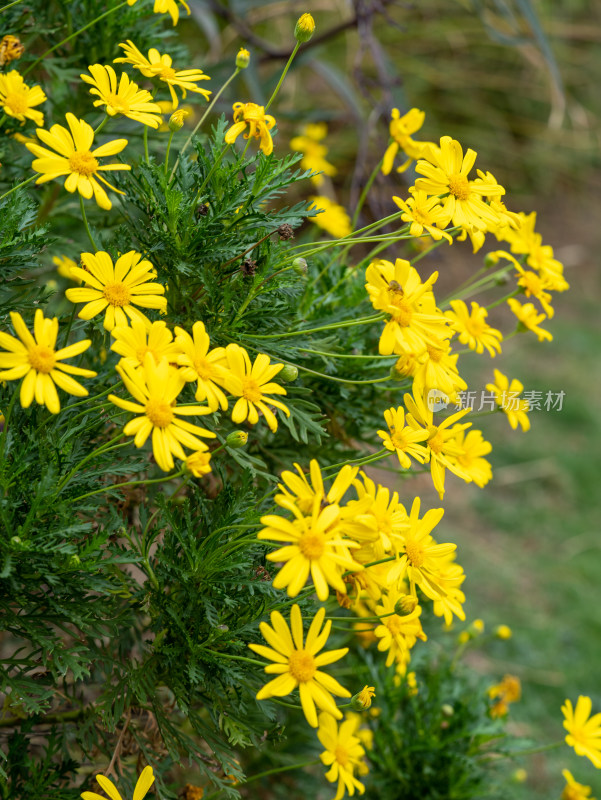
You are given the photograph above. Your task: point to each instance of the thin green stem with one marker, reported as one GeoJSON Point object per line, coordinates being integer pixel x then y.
{"type": "Point", "coordinates": [72, 36]}
{"type": "Point", "coordinates": [7, 417]}
{"type": "Point", "coordinates": [85, 222]}
{"type": "Point", "coordinates": [202, 119]}
{"type": "Point", "coordinates": [98, 451]}
{"type": "Point", "coordinates": [232, 657]}
{"type": "Point", "coordinates": [333, 326]}
{"type": "Point", "coordinates": [149, 482]}
{"type": "Point", "coordinates": [217, 162]}
{"type": "Point", "coordinates": [267, 772]}
{"type": "Point", "coordinates": [18, 186]}
{"type": "Point", "coordinates": [283, 75]}
{"type": "Point", "coordinates": [359, 461]}
{"type": "Point", "coordinates": [166, 167]}
{"type": "Point", "coordinates": [364, 193]}
{"type": "Point", "coordinates": [10, 5]}
{"type": "Point", "coordinates": [68, 331]}
{"type": "Point", "coordinates": [145, 140]}
{"type": "Point", "coordinates": [503, 299]}
{"type": "Point", "coordinates": [346, 355]}
{"type": "Point", "coordinates": [542, 749]}
{"type": "Point", "coordinates": [102, 124]}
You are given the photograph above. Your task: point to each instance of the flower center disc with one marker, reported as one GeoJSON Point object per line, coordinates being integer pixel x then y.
{"type": "Point", "coordinates": [394, 624]}
{"type": "Point", "coordinates": [159, 413]}
{"type": "Point", "coordinates": [403, 311]}
{"type": "Point", "coordinates": [341, 755]}
{"type": "Point", "coordinates": [118, 103]}
{"type": "Point", "coordinates": [415, 554]}
{"type": "Point", "coordinates": [436, 441]}
{"type": "Point", "coordinates": [459, 186]}
{"type": "Point", "coordinates": [312, 544]}
{"type": "Point", "coordinates": [41, 358]}
{"type": "Point", "coordinates": [141, 353]}
{"type": "Point", "coordinates": [302, 665]}
{"type": "Point", "coordinates": [203, 369]}
{"type": "Point", "coordinates": [251, 390]}
{"type": "Point", "coordinates": [117, 294]}
{"type": "Point", "coordinates": [83, 163]}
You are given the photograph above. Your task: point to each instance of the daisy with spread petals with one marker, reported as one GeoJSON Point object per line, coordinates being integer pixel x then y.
{"type": "Point", "coordinates": [574, 790]}
{"type": "Point", "coordinates": [446, 173]}
{"type": "Point", "coordinates": [343, 753]}
{"type": "Point", "coordinates": [251, 383]}
{"type": "Point", "coordinates": [404, 440]}
{"type": "Point", "coordinates": [401, 128]}
{"type": "Point", "coordinates": [424, 213]}
{"type": "Point", "coordinates": [160, 66]}
{"type": "Point", "coordinates": [312, 545]}
{"type": "Point", "coordinates": [35, 359]}
{"type": "Point", "coordinates": [302, 490]}
{"type": "Point", "coordinates": [17, 100]}
{"type": "Point", "coordinates": [397, 633]}
{"type": "Point", "coordinates": [507, 397]}
{"type": "Point", "coordinates": [584, 731]}
{"type": "Point", "coordinates": [143, 784]}
{"type": "Point", "coordinates": [473, 447]}
{"type": "Point", "coordinates": [156, 388]}
{"type": "Point", "coordinates": [123, 96]}
{"type": "Point", "coordinates": [117, 289]}
{"type": "Point", "coordinates": [259, 124]}
{"type": "Point", "coordinates": [166, 7]}
{"type": "Point", "coordinates": [297, 664]}
{"type": "Point", "coordinates": [201, 364]}
{"type": "Point", "coordinates": [133, 343]}
{"type": "Point", "coordinates": [76, 159]}
{"type": "Point", "coordinates": [473, 329]}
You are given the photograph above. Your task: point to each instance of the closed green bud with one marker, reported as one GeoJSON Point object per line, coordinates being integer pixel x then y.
{"type": "Point", "coordinates": [304, 28]}
{"type": "Point", "coordinates": [236, 439]}
{"type": "Point", "coordinates": [289, 373]}
{"type": "Point", "coordinates": [300, 266]}
{"type": "Point", "coordinates": [447, 710]}
{"type": "Point", "coordinates": [243, 58]}
{"type": "Point", "coordinates": [74, 561]}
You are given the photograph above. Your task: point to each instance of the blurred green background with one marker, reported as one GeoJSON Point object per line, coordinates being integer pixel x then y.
{"type": "Point", "coordinates": [517, 80]}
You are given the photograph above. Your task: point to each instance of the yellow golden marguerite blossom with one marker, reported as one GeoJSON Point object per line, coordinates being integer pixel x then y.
{"type": "Point", "coordinates": [508, 399]}
{"type": "Point", "coordinates": [35, 359]}
{"type": "Point", "coordinates": [297, 663]}
{"type": "Point", "coordinates": [252, 384]}
{"type": "Point", "coordinates": [18, 100]}
{"type": "Point", "coordinates": [156, 388]}
{"type": "Point", "coordinates": [122, 96]}
{"type": "Point", "coordinates": [258, 122]}
{"type": "Point", "coordinates": [343, 754]}
{"type": "Point", "coordinates": [116, 289]}
{"type": "Point", "coordinates": [161, 66]}
{"type": "Point", "coordinates": [76, 159]}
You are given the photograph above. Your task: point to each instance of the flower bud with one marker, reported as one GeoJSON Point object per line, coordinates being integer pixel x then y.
{"type": "Point", "coordinates": [176, 120]}
{"type": "Point", "coordinates": [289, 373]}
{"type": "Point", "coordinates": [243, 58]}
{"type": "Point", "coordinates": [405, 604]}
{"type": "Point", "coordinates": [447, 710]}
{"type": "Point", "coordinates": [503, 632]}
{"type": "Point", "coordinates": [304, 28]}
{"type": "Point", "coordinates": [300, 266]}
{"type": "Point", "coordinates": [491, 260]}
{"type": "Point", "coordinates": [74, 561]}
{"type": "Point", "coordinates": [362, 700]}
{"type": "Point", "coordinates": [236, 439]}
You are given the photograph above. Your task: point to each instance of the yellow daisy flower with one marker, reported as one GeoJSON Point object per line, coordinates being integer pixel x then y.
{"type": "Point", "coordinates": [75, 159]}
{"type": "Point", "coordinates": [259, 124]}
{"type": "Point", "coordinates": [200, 363]}
{"type": "Point", "coordinates": [584, 731]}
{"type": "Point", "coordinates": [133, 343]}
{"type": "Point", "coordinates": [343, 753]}
{"type": "Point", "coordinates": [436, 368]}
{"type": "Point", "coordinates": [117, 288]}
{"type": "Point", "coordinates": [312, 544]}
{"type": "Point", "coordinates": [314, 153]}
{"type": "Point", "coordinates": [199, 463]}
{"type": "Point", "coordinates": [473, 447]}
{"type": "Point", "coordinates": [333, 218]}
{"type": "Point", "coordinates": [166, 7]}
{"type": "Point", "coordinates": [160, 66]}
{"type": "Point", "coordinates": [64, 265]}
{"type": "Point", "coordinates": [35, 359]}
{"type": "Point", "coordinates": [424, 213]}
{"type": "Point", "coordinates": [446, 170]}
{"type": "Point", "coordinates": [18, 100]}
{"type": "Point", "coordinates": [156, 388]}
{"type": "Point", "coordinates": [401, 128]}
{"type": "Point", "coordinates": [297, 664]}
{"type": "Point", "coordinates": [403, 439]}
{"type": "Point", "coordinates": [450, 577]}
{"type": "Point", "coordinates": [143, 784]}
{"type": "Point", "coordinates": [397, 634]}
{"type": "Point", "coordinates": [397, 289]}
{"type": "Point", "coordinates": [123, 97]}
{"type": "Point", "coordinates": [528, 316]}
{"type": "Point", "coordinates": [574, 790]}
{"type": "Point", "coordinates": [251, 383]}
{"type": "Point", "coordinates": [302, 491]}
{"type": "Point", "coordinates": [507, 397]}
{"type": "Point", "coordinates": [473, 329]}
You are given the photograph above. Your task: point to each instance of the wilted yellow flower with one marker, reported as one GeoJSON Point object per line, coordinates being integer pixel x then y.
{"type": "Point", "coordinates": [18, 100]}
{"type": "Point", "coordinates": [259, 124]}
{"type": "Point", "coordinates": [75, 159]}
{"type": "Point", "coordinates": [11, 49]}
